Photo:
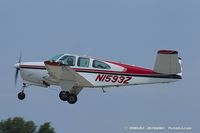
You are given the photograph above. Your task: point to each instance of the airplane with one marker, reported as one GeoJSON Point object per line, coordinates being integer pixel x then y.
{"type": "Point", "coordinates": [72, 73]}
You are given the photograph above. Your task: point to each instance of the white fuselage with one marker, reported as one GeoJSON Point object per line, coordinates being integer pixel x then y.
{"type": "Point", "coordinates": [35, 73]}
{"type": "Point", "coordinates": [72, 73]}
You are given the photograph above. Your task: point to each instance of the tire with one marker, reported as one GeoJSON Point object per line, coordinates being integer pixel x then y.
{"type": "Point", "coordinates": [21, 96]}
{"type": "Point", "coordinates": [64, 95]}
{"type": "Point", "coordinates": [72, 98]}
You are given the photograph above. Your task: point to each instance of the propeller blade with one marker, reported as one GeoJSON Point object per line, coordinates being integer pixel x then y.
{"type": "Point", "coordinates": [16, 75]}
{"type": "Point", "coordinates": [18, 68]}
{"type": "Point", "coordinates": [20, 58]}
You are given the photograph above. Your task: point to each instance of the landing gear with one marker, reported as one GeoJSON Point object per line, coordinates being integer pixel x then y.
{"type": "Point", "coordinates": [21, 95]}
{"type": "Point", "coordinates": [66, 96]}
{"type": "Point", "coordinates": [72, 98]}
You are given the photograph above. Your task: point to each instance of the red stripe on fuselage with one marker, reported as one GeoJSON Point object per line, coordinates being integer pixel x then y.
{"type": "Point", "coordinates": [134, 69]}
{"type": "Point", "coordinates": [142, 72]}
{"type": "Point", "coordinates": [32, 67]}
{"type": "Point", "coordinates": [128, 69]}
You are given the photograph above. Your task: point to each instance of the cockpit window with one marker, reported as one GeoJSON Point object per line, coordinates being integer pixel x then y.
{"type": "Point", "coordinates": [68, 60]}
{"type": "Point", "coordinates": [55, 58]}
{"type": "Point", "coordinates": [101, 65]}
{"type": "Point", "coordinates": [83, 62]}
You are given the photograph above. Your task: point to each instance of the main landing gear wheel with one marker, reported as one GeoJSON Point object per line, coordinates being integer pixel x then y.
{"type": "Point", "coordinates": [64, 95]}
{"type": "Point", "coordinates": [21, 96]}
{"type": "Point", "coordinates": [72, 98]}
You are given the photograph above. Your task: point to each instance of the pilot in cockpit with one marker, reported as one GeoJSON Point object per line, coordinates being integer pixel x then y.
{"type": "Point", "coordinates": [70, 61]}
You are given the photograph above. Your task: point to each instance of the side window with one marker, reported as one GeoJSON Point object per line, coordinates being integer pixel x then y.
{"type": "Point", "coordinates": [68, 60]}
{"type": "Point", "coordinates": [101, 65]}
{"type": "Point", "coordinates": [83, 62]}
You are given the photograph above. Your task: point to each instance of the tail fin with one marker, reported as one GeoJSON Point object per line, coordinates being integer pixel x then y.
{"type": "Point", "coordinates": [168, 62]}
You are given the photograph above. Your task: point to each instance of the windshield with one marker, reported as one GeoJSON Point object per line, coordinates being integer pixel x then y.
{"type": "Point", "coordinates": [68, 60]}
{"type": "Point", "coordinates": [55, 58]}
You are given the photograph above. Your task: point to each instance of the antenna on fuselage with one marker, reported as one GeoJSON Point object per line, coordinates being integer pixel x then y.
{"type": "Point", "coordinates": [103, 90]}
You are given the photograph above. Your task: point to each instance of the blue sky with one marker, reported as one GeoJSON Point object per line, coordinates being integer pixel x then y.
{"type": "Point", "coordinates": [129, 31]}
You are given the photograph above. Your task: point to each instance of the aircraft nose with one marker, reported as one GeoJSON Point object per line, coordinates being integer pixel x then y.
{"type": "Point", "coordinates": [16, 65]}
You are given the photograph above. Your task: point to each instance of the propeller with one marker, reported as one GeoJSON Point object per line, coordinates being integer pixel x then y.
{"type": "Point", "coordinates": [17, 66]}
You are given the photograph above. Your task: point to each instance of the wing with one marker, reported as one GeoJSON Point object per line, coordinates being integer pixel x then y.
{"type": "Point", "coordinates": [66, 77]}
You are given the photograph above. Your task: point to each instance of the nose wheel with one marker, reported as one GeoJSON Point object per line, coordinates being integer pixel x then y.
{"type": "Point", "coordinates": [66, 96]}
{"type": "Point", "coordinates": [21, 95]}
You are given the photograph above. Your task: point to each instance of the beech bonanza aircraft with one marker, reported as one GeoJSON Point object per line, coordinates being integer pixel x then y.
{"type": "Point", "coordinates": [73, 73]}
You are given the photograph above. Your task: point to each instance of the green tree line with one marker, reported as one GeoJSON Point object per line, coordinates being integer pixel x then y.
{"type": "Point", "coordinates": [19, 125]}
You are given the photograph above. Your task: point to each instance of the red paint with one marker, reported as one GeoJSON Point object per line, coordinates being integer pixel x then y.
{"type": "Point", "coordinates": [167, 52]}
{"type": "Point", "coordinates": [32, 66]}
{"type": "Point", "coordinates": [134, 69]}
{"type": "Point", "coordinates": [99, 77]}
{"type": "Point", "coordinates": [52, 63]}
{"type": "Point", "coordinates": [127, 80]}
{"type": "Point", "coordinates": [113, 78]}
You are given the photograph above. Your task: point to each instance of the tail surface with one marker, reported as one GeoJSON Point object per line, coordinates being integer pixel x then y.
{"type": "Point", "coordinates": [168, 62]}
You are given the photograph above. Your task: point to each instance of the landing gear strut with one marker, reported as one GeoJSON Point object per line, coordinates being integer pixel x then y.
{"type": "Point", "coordinates": [66, 96]}
{"type": "Point", "coordinates": [21, 95]}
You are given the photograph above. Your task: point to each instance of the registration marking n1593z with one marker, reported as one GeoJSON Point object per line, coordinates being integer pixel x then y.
{"type": "Point", "coordinates": [113, 78]}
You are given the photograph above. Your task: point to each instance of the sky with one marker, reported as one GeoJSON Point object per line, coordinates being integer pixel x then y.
{"type": "Point", "coordinates": [129, 31]}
